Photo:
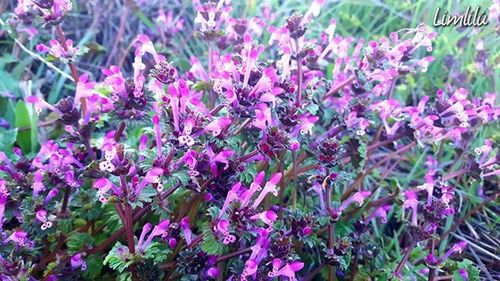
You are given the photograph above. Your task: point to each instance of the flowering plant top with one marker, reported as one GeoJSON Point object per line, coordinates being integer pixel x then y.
{"type": "Point", "coordinates": [275, 156]}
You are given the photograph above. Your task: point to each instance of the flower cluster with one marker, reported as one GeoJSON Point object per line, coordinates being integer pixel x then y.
{"type": "Point", "coordinates": [265, 160]}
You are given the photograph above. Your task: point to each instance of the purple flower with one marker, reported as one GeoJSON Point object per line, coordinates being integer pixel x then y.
{"type": "Point", "coordinates": [232, 195]}
{"type": "Point", "coordinates": [463, 272]}
{"type": "Point", "coordinates": [145, 230]}
{"type": "Point", "coordinates": [188, 234]}
{"type": "Point", "coordinates": [41, 104]}
{"type": "Point", "coordinates": [254, 187]}
{"type": "Point", "coordinates": [158, 230]}
{"type": "Point", "coordinates": [259, 252]}
{"type": "Point", "coordinates": [389, 109]}
{"type": "Point", "coordinates": [58, 51]}
{"type": "Point", "coordinates": [38, 185]}
{"type": "Point", "coordinates": [213, 272]}
{"type": "Point", "coordinates": [358, 197]}
{"type": "Point", "coordinates": [3, 202]}
{"type": "Point", "coordinates": [380, 212]}
{"type": "Point", "coordinates": [223, 228]}
{"type": "Point", "coordinates": [270, 187]}
{"type": "Point", "coordinates": [41, 216]}
{"type": "Point", "coordinates": [456, 248]}
{"type": "Point", "coordinates": [217, 126]}
{"type": "Point", "coordinates": [103, 185]}
{"type": "Point", "coordinates": [78, 262]}
{"type": "Point", "coordinates": [267, 217]}
{"type": "Point", "coordinates": [411, 201]}
{"type": "Point", "coordinates": [153, 176]}
{"type": "Point", "coordinates": [219, 158]}
{"type": "Point", "coordinates": [288, 270]}
{"type": "Point", "coordinates": [19, 237]}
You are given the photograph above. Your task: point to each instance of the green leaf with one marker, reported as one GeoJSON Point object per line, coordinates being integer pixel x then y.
{"type": "Point", "coordinates": [312, 108]}
{"type": "Point", "coordinates": [468, 265]}
{"type": "Point", "coordinates": [78, 241]}
{"type": "Point", "coordinates": [65, 225]}
{"type": "Point", "coordinates": [213, 212]}
{"type": "Point", "coordinates": [145, 196]}
{"type": "Point", "coordinates": [27, 139]}
{"type": "Point", "coordinates": [210, 245]}
{"type": "Point", "coordinates": [95, 263]}
{"type": "Point", "coordinates": [418, 253]}
{"type": "Point", "coordinates": [115, 260]}
{"type": "Point", "coordinates": [158, 252]}
{"type": "Point", "coordinates": [248, 175]}
{"type": "Point", "coordinates": [7, 139]}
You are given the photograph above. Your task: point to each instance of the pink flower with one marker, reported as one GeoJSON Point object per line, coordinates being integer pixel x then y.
{"type": "Point", "coordinates": [223, 228]}
{"type": "Point", "coordinates": [263, 117]}
{"type": "Point", "coordinates": [50, 195]}
{"type": "Point", "coordinates": [41, 216]}
{"type": "Point", "coordinates": [288, 270]}
{"type": "Point", "coordinates": [313, 11]}
{"type": "Point", "coordinates": [157, 129]}
{"type": "Point", "coordinates": [456, 248]}
{"type": "Point", "coordinates": [38, 185]}
{"type": "Point", "coordinates": [389, 109]}
{"type": "Point", "coordinates": [152, 176]}
{"type": "Point", "coordinates": [158, 230]}
{"type": "Point", "coordinates": [56, 49]}
{"type": "Point", "coordinates": [19, 237]}
{"type": "Point", "coordinates": [221, 157]}
{"type": "Point", "coordinates": [250, 52]}
{"type": "Point", "coordinates": [357, 197]}
{"type": "Point", "coordinates": [258, 253]}
{"type": "Point", "coordinates": [41, 104]}
{"type": "Point", "coordinates": [218, 125]}
{"type": "Point", "coordinates": [190, 158]}
{"type": "Point", "coordinates": [103, 185]}
{"type": "Point", "coordinates": [3, 202]}
{"type": "Point", "coordinates": [270, 187]}
{"type": "Point", "coordinates": [380, 212]}
{"type": "Point", "coordinates": [231, 196]}
{"type": "Point", "coordinates": [145, 230]}
{"type": "Point", "coordinates": [411, 202]}
{"type": "Point", "coordinates": [254, 187]}
{"type": "Point", "coordinates": [306, 123]}
{"type": "Point", "coordinates": [463, 272]}
{"type": "Point", "coordinates": [115, 79]}
{"type": "Point", "coordinates": [78, 262]}
{"type": "Point", "coordinates": [213, 272]}
{"type": "Point", "coordinates": [186, 230]}
{"type": "Point", "coordinates": [267, 217]}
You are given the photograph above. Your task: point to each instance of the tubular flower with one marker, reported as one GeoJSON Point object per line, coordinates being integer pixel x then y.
{"type": "Point", "coordinates": [270, 187]}
{"type": "Point", "coordinates": [288, 270]}
{"type": "Point", "coordinates": [411, 202]}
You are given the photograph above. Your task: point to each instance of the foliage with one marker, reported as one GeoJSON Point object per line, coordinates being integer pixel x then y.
{"type": "Point", "coordinates": [342, 140]}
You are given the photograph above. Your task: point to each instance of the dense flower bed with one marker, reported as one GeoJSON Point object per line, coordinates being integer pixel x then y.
{"type": "Point", "coordinates": [277, 155]}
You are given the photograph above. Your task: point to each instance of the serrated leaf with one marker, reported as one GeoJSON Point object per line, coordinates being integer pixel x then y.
{"type": "Point", "coordinates": [65, 225]}
{"type": "Point", "coordinates": [145, 196]}
{"type": "Point", "coordinates": [248, 175]}
{"type": "Point", "coordinates": [312, 108]}
{"type": "Point", "coordinates": [157, 252]}
{"type": "Point", "coordinates": [213, 211]}
{"type": "Point", "coordinates": [78, 241]}
{"type": "Point", "coordinates": [115, 260]}
{"type": "Point", "coordinates": [210, 245]}
{"type": "Point", "coordinates": [95, 264]}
